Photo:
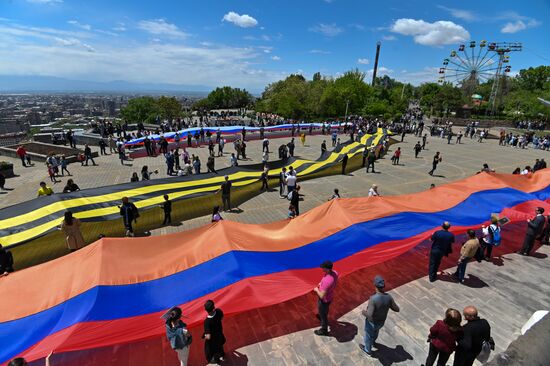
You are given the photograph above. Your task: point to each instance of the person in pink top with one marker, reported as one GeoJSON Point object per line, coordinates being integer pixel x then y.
{"type": "Point", "coordinates": [325, 294]}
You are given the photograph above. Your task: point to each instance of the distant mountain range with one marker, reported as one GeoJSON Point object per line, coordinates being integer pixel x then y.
{"type": "Point", "coordinates": [35, 84]}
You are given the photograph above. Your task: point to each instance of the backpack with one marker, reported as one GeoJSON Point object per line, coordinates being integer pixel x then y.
{"type": "Point", "coordinates": [495, 236]}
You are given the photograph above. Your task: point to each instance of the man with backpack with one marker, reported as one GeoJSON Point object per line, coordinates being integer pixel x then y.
{"type": "Point", "coordinates": [491, 238]}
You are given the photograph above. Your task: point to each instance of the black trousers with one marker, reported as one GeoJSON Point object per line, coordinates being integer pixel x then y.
{"type": "Point", "coordinates": [323, 308]}
{"type": "Point", "coordinates": [226, 202]}
{"type": "Point", "coordinates": [432, 356]}
{"type": "Point", "coordinates": [528, 244]}
{"type": "Point", "coordinates": [435, 261]}
{"type": "Point", "coordinates": [370, 165]}
{"type": "Point", "coordinates": [167, 217]}
{"type": "Point", "coordinates": [264, 185]}
{"type": "Point", "coordinates": [464, 358]}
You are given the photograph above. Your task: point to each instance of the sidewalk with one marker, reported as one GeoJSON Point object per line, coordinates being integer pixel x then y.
{"type": "Point", "coordinates": [506, 294]}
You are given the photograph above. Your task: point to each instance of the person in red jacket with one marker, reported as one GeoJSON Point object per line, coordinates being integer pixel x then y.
{"type": "Point", "coordinates": [21, 152]}
{"type": "Point", "coordinates": [443, 337]}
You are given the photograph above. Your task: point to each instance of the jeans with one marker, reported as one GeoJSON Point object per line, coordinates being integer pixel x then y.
{"type": "Point", "coordinates": [371, 333]}
{"type": "Point", "coordinates": [435, 261]}
{"type": "Point", "coordinates": [323, 308]}
{"type": "Point", "coordinates": [461, 270]}
{"type": "Point", "coordinates": [89, 157]}
{"type": "Point", "coordinates": [432, 356]}
{"type": "Point", "coordinates": [183, 355]}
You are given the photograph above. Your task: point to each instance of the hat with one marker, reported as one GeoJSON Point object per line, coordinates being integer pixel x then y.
{"type": "Point", "coordinates": [326, 265]}
{"type": "Point", "coordinates": [379, 281]}
{"type": "Point", "coordinates": [168, 314]}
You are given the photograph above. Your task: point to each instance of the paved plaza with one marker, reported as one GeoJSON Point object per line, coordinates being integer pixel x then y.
{"type": "Point", "coordinates": [510, 291]}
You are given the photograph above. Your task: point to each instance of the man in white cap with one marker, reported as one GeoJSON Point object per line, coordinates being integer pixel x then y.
{"type": "Point", "coordinates": [376, 313]}
{"type": "Point", "coordinates": [373, 191]}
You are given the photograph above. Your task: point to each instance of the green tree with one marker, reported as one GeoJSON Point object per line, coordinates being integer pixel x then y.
{"type": "Point", "coordinates": [142, 109]}
{"type": "Point", "coordinates": [225, 97]}
{"type": "Point", "coordinates": [534, 78]}
{"type": "Point", "coordinates": [169, 107]}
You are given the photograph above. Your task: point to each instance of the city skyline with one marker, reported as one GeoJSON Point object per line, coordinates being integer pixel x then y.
{"type": "Point", "coordinates": [249, 45]}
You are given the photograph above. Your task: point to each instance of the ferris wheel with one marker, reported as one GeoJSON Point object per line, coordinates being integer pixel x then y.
{"type": "Point", "coordinates": [475, 63]}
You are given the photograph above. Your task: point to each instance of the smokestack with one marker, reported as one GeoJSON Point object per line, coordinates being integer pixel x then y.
{"type": "Point", "coordinates": [376, 62]}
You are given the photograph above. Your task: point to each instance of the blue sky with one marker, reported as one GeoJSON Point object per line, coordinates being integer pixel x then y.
{"type": "Point", "coordinates": [250, 43]}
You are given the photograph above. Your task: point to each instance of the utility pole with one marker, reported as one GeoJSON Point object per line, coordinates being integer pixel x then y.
{"type": "Point", "coordinates": [376, 62]}
{"type": "Point", "coordinates": [346, 115]}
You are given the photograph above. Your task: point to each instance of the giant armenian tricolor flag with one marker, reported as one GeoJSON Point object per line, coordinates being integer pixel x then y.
{"type": "Point", "coordinates": [113, 291]}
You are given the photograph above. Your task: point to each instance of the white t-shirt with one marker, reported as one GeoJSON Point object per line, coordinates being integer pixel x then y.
{"type": "Point", "coordinates": [373, 193]}
{"type": "Point", "coordinates": [291, 180]}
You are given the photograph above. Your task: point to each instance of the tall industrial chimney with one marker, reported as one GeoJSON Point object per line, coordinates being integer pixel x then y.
{"type": "Point", "coordinates": [376, 62]}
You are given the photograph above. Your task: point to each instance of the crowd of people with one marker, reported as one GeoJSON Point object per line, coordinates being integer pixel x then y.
{"type": "Point", "coordinates": [446, 336]}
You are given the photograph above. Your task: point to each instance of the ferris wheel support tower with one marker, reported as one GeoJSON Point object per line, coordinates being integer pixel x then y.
{"type": "Point", "coordinates": [502, 50]}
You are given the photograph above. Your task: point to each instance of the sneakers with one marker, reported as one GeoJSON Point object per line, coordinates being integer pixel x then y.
{"type": "Point", "coordinates": [368, 354]}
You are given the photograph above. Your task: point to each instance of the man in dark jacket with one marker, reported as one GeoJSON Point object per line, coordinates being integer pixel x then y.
{"type": "Point", "coordinates": [129, 213]}
{"type": "Point", "coordinates": [6, 261]}
{"type": "Point", "coordinates": [214, 338]}
{"type": "Point", "coordinates": [476, 331]}
{"type": "Point", "coordinates": [442, 241]}
{"type": "Point", "coordinates": [295, 199]}
{"type": "Point", "coordinates": [534, 228]}
{"type": "Point", "coordinates": [371, 158]}
{"type": "Point", "coordinates": [291, 146]}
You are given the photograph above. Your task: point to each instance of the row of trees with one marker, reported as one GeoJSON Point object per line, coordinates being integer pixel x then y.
{"type": "Point", "coordinates": [225, 98]}
{"type": "Point", "coordinates": [149, 109]}
{"type": "Point", "coordinates": [323, 97]}
{"type": "Point", "coordinates": [298, 98]}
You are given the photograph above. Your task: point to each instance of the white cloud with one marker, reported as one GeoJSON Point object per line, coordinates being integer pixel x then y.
{"type": "Point", "coordinates": [357, 26]}
{"type": "Point", "coordinates": [120, 27]}
{"type": "Point", "coordinates": [80, 25]}
{"type": "Point", "coordinates": [161, 27]}
{"type": "Point", "coordinates": [363, 61]}
{"type": "Point", "coordinates": [381, 71]}
{"type": "Point", "coordinates": [438, 33]}
{"type": "Point", "coordinates": [243, 21]}
{"type": "Point", "coordinates": [389, 38]}
{"type": "Point", "coordinates": [329, 30]}
{"type": "Point", "coordinates": [463, 14]}
{"type": "Point", "coordinates": [426, 75]}
{"type": "Point", "coordinates": [45, 1]}
{"type": "Point", "coordinates": [320, 52]}
{"type": "Point", "coordinates": [519, 25]}
{"type": "Point", "coordinates": [40, 51]}
{"type": "Point", "coordinates": [68, 42]}
{"type": "Point", "coordinates": [275, 58]}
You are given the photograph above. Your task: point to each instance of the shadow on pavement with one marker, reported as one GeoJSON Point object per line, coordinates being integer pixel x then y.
{"type": "Point", "coordinates": [388, 356]}
{"type": "Point", "coordinates": [343, 331]}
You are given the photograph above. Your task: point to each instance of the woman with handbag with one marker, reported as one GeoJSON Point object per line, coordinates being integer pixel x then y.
{"type": "Point", "coordinates": [443, 337]}
{"type": "Point", "coordinates": [178, 335]}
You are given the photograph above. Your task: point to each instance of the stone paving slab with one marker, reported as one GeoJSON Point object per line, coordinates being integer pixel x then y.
{"type": "Point", "coordinates": [508, 298]}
